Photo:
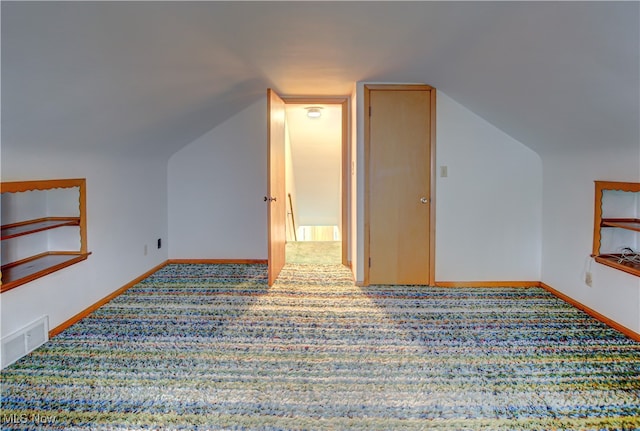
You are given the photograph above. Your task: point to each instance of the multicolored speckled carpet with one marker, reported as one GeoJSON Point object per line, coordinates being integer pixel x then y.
{"type": "Point", "coordinates": [211, 347]}
{"type": "Point", "coordinates": [314, 252]}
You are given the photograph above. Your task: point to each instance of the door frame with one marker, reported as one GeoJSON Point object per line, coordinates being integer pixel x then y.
{"type": "Point", "coordinates": [367, 146]}
{"type": "Point", "coordinates": [345, 162]}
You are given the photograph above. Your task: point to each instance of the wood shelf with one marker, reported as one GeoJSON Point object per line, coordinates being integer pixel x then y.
{"type": "Point", "coordinates": [14, 230]}
{"type": "Point", "coordinates": [43, 260]}
{"type": "Point", "coordinates": [612, 261]}
{"type": "Point", "coordinates": [23, 271]}
{"type": "Point", "coordinates": [624, 223]}
{"type": "Point", "coordinates": [627, 224]}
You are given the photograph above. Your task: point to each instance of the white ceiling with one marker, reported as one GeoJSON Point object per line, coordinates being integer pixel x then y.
{"type": "Point", "coordinates": [147, 78]}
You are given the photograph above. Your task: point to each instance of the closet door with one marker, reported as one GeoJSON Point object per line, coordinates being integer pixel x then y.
{"type": "Point", "coordinates": [398, 184]}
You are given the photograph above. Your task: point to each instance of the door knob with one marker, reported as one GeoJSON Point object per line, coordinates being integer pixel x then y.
{"type": "Point", "coordinates": [424, 200]}
{"type": "Point", "coordinates": [269, 199]}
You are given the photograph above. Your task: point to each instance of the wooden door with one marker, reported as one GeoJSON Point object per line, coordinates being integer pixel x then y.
{"type": "Point", "coordinates": [399, 185]}
{"type": "Point", "coordinates": [276, 192]}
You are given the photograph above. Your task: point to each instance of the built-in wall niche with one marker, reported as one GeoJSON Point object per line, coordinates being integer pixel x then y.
{"type": "Point", "coordinates": [43, 228]}
{"type": "Point", "coordinates": [616, 235]}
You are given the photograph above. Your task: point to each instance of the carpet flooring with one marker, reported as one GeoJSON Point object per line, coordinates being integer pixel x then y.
{"type": "Point", "coordinates": [314, 252]}
{"type": "Point", "coordinates": [211, 347]}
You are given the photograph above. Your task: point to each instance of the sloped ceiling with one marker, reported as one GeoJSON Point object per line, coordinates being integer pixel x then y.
{"type": "Point", "coordinates": [147, 78]}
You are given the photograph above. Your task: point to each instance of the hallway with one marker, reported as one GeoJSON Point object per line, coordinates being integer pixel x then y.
{"type": "Point", "coordinates": [315, 252]}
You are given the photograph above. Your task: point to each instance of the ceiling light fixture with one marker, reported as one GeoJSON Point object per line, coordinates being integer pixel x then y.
{"type": "Point", "coordinates": [314, 112]}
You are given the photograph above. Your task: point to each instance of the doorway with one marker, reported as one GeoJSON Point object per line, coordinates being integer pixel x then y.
{"type": "Point", "coordinates": [315, 151]}
{"type": "Point", "coordinates": [322, 170]}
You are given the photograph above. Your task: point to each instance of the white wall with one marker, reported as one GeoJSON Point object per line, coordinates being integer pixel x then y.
{"type": "Point", "coordinates": [488, 208]}
{"type": "Point", "coordinates": [357, 186]}
{"type": "Point", "coordinates": [126, 209]}
{"type": "Point", "coordinates": [36, 204]}
{"type": "Point", "coordinates": [316, 146]}
{"type": "Point", "coordinates": [488, 216]}
{"type": "Point", "coordinates": [568, 229]}
{"type": "Point", "coordinates": [353, 252]}
{"type": "Point", "coordinates": [216, 188]}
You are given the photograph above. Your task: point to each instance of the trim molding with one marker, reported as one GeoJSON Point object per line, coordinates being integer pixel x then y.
{"type": "Point", "coordinates": [523, 284]}
{"type": "Point", "coordinates": [218, 261]}
{"type": "Point", "coordinates": [84, 313]}
{"type": "Point", "coordinates": [591, 312]}
{"type": "Point", "coordinates": [308, 100]}
{"type": "Point", "coordinates": [481, 284]}
{"type": "Point", "coordinates": [345, 154]}
{"type": "Point", "coordinates": [368, 88]}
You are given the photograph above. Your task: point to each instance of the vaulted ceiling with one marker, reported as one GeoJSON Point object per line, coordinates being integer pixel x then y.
{"type": "Point", "coordinates": [147, 78]}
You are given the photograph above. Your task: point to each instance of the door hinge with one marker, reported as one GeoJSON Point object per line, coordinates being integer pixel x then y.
{"type": "Point", "coordinates": [369, 111]}
{"type": "Point", "coordinates": [369, 262]}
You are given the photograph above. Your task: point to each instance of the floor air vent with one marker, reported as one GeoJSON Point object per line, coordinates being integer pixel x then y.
{"type": "Point", "coordinates": [24, 341]}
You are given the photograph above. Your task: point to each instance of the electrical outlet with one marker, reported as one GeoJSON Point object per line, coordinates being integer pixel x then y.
{"type": "Point", "coordinates": [588, 279]}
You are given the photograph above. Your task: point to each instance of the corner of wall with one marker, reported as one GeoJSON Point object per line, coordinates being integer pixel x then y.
{"type": "Point", "coordinates": [489, 217]}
